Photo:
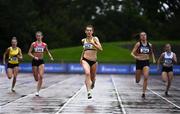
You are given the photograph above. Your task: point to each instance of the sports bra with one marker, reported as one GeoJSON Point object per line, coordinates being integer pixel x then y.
{"type": "Point", "coordinates": [39, 47]}
{"type": "Point", "coordinates": [144, 49]}
{"type": "Point", "coordinates": [87, 45]}
{"type": "Point", "coordinates": [13, 53]}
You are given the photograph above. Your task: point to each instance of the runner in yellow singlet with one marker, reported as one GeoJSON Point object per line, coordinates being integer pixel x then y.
{"type": "Point", "coordinates": [14, 55]}
{"type": "Point", "coordinates": [88, 59]}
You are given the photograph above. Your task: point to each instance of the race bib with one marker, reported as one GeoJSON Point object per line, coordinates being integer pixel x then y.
{"type": "Point", "coordinates": [88, 46]}
{"type": "Point", "coordinates": [14, 59]}
{"type": "Point", "coordinates": [144, 50]}
{"type": "Point", "coordinates": [39, 49]}
{"type": "Point", "coordinates": [168, 61]}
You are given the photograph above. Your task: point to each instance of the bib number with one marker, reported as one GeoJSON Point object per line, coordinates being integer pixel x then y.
{"type": "Point", "coordinates": [168, 61]}
{"type": "Point", "coordinates": [144, 50]}
{"type": "Point", "coordinates": [88, 46]}
{"type": "Point", "coordinates": [14, 59]}
{"type": "Point", "coordinates": [39, 49]}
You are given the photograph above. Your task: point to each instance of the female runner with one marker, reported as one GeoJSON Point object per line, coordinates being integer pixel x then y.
{"type": "Point", "coordinates": [15, 55]}
{"type": "Point", "coordinates": [169, 58]}
{"type": "Point", "coordinates": [142, 52]}
{"type": "Point", "coordinates": [88, 59]}
{"type": "Point", "coordinates": [36, 51]}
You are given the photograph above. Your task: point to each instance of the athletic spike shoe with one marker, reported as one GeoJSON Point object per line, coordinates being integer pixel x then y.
{"type": "Point", "coordinates": [13, 90]}
{"type": "Point", "coordinates": [143, 96]}
{"type": "Point", "coordinates": [89, 95]}
{"type": "Point", "coordinates": [37, 94]}
{"type": "Point", "coordinates": [166, 93]}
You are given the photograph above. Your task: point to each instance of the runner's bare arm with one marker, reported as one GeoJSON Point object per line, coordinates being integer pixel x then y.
{"type": "Point", "coordinates": [30, 51]}
{"type": "Point", "coordinates": [159, 60]}
{"type": "Point", "coordinates": [152, 54]}
{"type": "Point", "coordinates": [47, 50]}
{"type": "Point", "coordinates": [174, 58]}
{"type": "Point", "coordinates": [134, 50]}
{"type": "Point", "coordinates": [82, 54]}
{"type": "Point", "coordinates": [4, 55]}
{"type": "Point", "coordinates": [20, 56]}
{"type": "Point", "coordinates": [97, 44]}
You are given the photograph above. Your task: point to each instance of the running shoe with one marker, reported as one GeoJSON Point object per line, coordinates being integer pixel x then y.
{"type": "Point", "coordinates": [89, 95]}
{"type": "Point", "coordinates": [143, 95]}
{"type": "Point", "coordinates": [37, 94]}
{"type": "Point", "coordinates": [137, 81]}
{"type": "Point", "coordinates": [13, 90]}
{"type": "Point", "coordinates": [166, 93]}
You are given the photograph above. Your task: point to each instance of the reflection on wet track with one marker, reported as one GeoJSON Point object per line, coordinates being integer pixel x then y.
{"type": "Point", "coordinates": [66, 94]}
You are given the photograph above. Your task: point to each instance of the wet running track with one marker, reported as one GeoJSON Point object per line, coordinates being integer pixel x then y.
{"type": "Point", "coordinates": [66, 94]}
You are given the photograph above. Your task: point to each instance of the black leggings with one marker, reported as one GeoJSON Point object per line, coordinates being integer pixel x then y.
{"type": "Point", "coordinates": [91, 63]}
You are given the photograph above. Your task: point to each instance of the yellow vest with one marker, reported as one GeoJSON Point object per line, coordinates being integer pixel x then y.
{"type": "Point", "coordinates": [13, 53]}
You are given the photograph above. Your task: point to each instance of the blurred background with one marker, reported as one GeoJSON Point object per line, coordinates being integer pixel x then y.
{"type": "Point", "coordinates": [117, 24]}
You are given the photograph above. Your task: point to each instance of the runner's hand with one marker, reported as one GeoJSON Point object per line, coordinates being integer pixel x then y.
{"type": "Point", "coordinates": [19, 57]}
{"type": "Point", "coordinates": [52, 59]}
{"type": "Point", "coordinates": [36, 58]}
{"type": "Point", "coordinates": [93, 42]}
{"type": "Point", "coordinates": [158, 69]}
{"type": "Point", "coordinates": [154, 61]}
{"type": "Point", "coordinates": [137, 57]}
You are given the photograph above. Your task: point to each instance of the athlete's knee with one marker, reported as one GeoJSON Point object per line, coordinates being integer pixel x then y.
{"type": "Point", "coordinates": [15, 74]}
{"type": "Point", "coordinates": [146, 75]}
{"type": "Point", "coordinates": [146, 78]}
{"type": "Point", "coordinates": [35, 74]}
{"type": "Point", "coordinates": [36, 77]}
{"type": "Point", "coordinates": [14, 77]}
{"type": "Point", "coordinates": [88, 81]}
{"type": "Point", "coordinates": [93, 75]}
{"type": "Point", "coordinates": [9, 77]}
{"type": "Point", "coordinates": [87, 73]}
{"type": "Point", "coordinates": [40, 77]}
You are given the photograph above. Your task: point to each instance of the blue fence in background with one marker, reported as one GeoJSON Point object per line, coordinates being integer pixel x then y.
{"type": "Point", "coordinates": [102, 68]}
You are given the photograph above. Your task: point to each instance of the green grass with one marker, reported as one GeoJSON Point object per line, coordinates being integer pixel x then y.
{"type": "Point", "coordinates": [112, 53]}
{"type": "Point", "coordinates": [71, 54]}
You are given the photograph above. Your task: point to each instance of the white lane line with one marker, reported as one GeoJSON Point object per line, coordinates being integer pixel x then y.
{"type": "Point", "coordinates": [118, 96]}
{"type": "Point", "coordinates": [68, 101]}
{"type": "Point", "coordinates": [33, 94]}
{"type": "Point", "coordinates": [164, 98]}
